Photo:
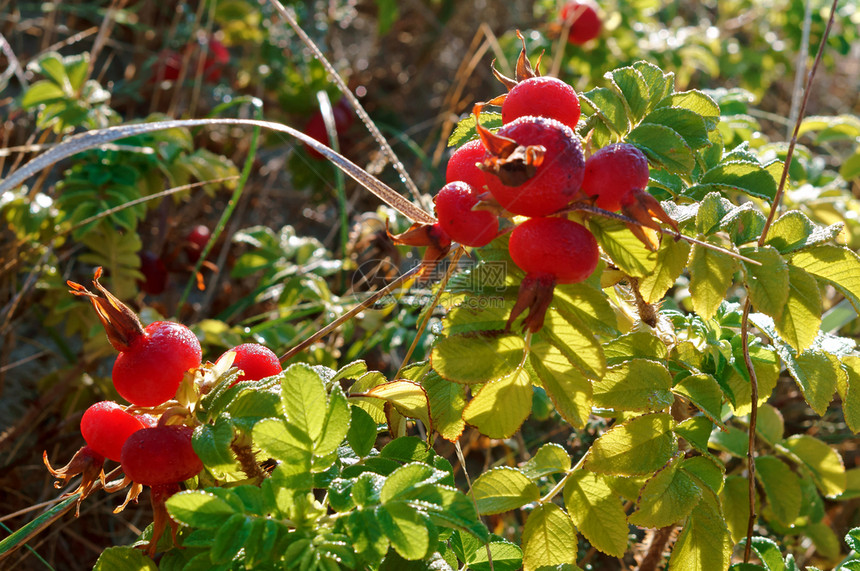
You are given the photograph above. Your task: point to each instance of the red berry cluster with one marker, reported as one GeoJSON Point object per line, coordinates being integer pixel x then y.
{"type": "Point", "coordinates": [534, 167]}
{"type": "Point", "coordinates": [151, 438]}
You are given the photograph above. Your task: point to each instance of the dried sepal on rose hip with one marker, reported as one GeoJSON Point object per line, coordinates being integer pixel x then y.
{"type": "Point", "coordinates": [86, 462]}
{"type": "Point", "coordinates": [551, 251]}
{"type": "Point", "coordinates": [616, 177]}
{"type": "Point", "coordinates": [536, 95]}
{"type": "Point", "coordinates": [430, 236]}
{"type": "Point", "coordinates": [152, 361]}
{"type": "Point", "coordinates": [533, 166]}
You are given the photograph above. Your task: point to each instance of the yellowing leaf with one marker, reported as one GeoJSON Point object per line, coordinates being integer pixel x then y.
{"type": "Point", "coordinates": [447, 402]}
{"type": "Point", "coordinates": [502, 489]}
{"type": "Point", "coordinates": [637, 385]}
{"type": "Point", "coordinates": [568, 389]}
{"type": "Point", "coordinates": [549, 539]}
{"type": "Point", "coordinates": [768, 283]}
{"type": "Point", "coordinates": [705, 543]}
{"type": "Point", "coordinates": [639, 446]}
{"type": "Point", "coordinates": [668, 497]}
{"type": "Point", "coordinates": [710, 278]}
{"type": "Point", "coordinates": [477, 359]}
{"type": "Point", "coordinates": [704, 393]}
{"type": "Point", "coordinates": [736, 505]}
{"type": "Point", "coordinates": [822, 461]}
{"type": "Point", "coordinates": [500, 407]}
{"type": "Point", "coordinates": [550, 459]}
{"type": "Point", "coordinates": [850, 393]}
{"type": "Point", "coordinates": [781, 487]}
{"type": "Point", "coordinates": [576, 341]}
{"type": "Point", "coordinates": [623, 247]}
{"type": "Point", "coordinates": [408, 397]}
{"type": "Point", "coordinates": [597, 511]}
{"type": "Point", "coordinates": [800, 319]}
{"type": "Point", "coordinates": [671, 260]}
{"type": "Point", "coordinates": [836, 265]}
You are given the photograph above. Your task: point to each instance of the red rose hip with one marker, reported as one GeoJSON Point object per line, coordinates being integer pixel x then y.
{"type": "Point", "coordinates": [586, 22]}
{"type": "Point", "coordinates": [614, 174]}
{"type": "Point", "coordinates": [463, 165]}
{"type": "Point", "coordinates": [543, 97]}
{"type": "Point", "coordinates": [256, 362]}
{"type": "Point", "coordinates": [160, 455]}
{"type": "Point", "coordinates": [556, 247]}
{"type": "Point", "coordinates": [465, 226]}
{"type": "Point", "coordinates": [149, 371]}
{"type": "Point", "coordinates": [106, 426]}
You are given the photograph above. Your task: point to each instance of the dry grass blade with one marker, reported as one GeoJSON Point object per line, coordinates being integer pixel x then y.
{"type": "Point", "coordinates": [93, 139]}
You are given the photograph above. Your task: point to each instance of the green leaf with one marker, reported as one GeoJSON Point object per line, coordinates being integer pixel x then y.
{"type": "Point", "coordinates": [672, 258]}
{"type": "Point", "coordinates": [587, 304]}
{"type": "Point", "coordinates": [781, 487]}
{"type": "Point", "coordinates": [362, 431]}
{"type": "Point", "coordinates": [817, 375]}
{"type": "Point", "coordinates": [197, 508]}
{"type": "Point", "coordinates": [767, 370]}
{"type": "Point", "coordinates": [692, 127]}
{"type": "Point", "coordinates": [659, 84]}
{"type": "Point", "coordinates": [705, 543]}
{"type": "Point", "coordinates": [668, 497]}
{"type": "Point", "coordinates": [506, 556]}
{"type": "Point", "coordinates": [502, 489]}
{"type": "Point", "coordinates": [448, 507]}
{"type": "Point", "coordinates": [549, 459]}
{"type": "Point", "coordinates": [609, 107]}
{"type": "Point", "coordinates": [406, 528]}
{"type": "Point", "coordinates": [638, 446]}
{"type": "Point", "coordinates": [739, 176]}
{"type": "Point", "coordinates": [823, 462]}
{"type": "Point", "coordinates": [42, 93]}
{"type": "Point", "coordinates": [549, 538]}
{"type": "Point", "coordinates": [124, 558]}
{"type": "Point", "coordinates": [366, 489]}
{"type": "Point", "coordinates": [836, 265]}
{"type": "Point", "coordinates": [636, 385]}
{"type": "Point", "coordinates": [794, 231]}
{"type": "Point", "coordinates": [825, 540]}
{"type": "Point", "coordinates": [704, 393]}
{"type": "Point", "coordinates": [799, 321]}
{"type": "Point", "coordinates": [850, 393]}
{"type": "Point", "coordinates": [710, 277]}
{"type": "Point", "coordinates": [696, 431]}
{"type": "Point", "coordinates": [744, 224]}
{"type": "Point", "coordinates": [501, 406]}
{"type": "Point", "coordinates": [631, 85]}
{"type": "Point", "coordinates": [768, 283]}
{"type": "Point", "coordinates": [447, 402]}
{"type": "Point", "coordinates": [336, 423]}
{"type": "Point", "coordinates": [570, 391]}
{"type": "Point", "coordinates": [619, 243]}
{"type": "Point", "coordinates": [770, 425]}
{"type": "Point", "coordinates": [707, 471]}
{"type": "Point", "coordinates": [402, 481]}
{"type": "Point", "coordinates": [635, 345]}
{"type": "Point", "coordinates": [230, 538]}
{"type": "Point", "coordinates": [736, 505]}
{"type": "Point", "coordinates": [697, 102]}
{"type": "Point", "coordinates": [712, 210]}
{"type": "Point", "coordinates": [850, 170]}
{"type": "Point", "coordinates": [597, 511]}
{"type": "Point", "coordinates": [576, 341]}
{"type": "Point", "coordinates": [303, 397]}
{"type": "Point", "coordinates": [465, 130]}
{"type": "Point", "coordinates": [769, 553]}
{"type": "Point", "coordinates": [212, 445]}
{"type": "Point", "coordinates": [408, 397]}
{"type": "Point", "coordinates": [479, 359]}
{"type": "Point", "coordinates": [664, 147]}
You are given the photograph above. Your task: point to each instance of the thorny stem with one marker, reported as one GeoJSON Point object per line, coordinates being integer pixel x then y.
{"type": "Point", "coordinates": [745, 320]}
{"type": "Point", "coordinates": [655, 551]}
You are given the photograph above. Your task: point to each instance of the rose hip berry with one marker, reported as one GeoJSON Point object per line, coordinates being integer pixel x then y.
{"type": "Point", "coordinates": [256, 362]}
{"type": "Point", "coordinates": [613, 174]}
{"type": "Point", "coordinates": [556, 247]}
{"type": "Point", "coordinates": [462, 165]}
{"type": "Point", "coordinates": [586, 22]}
{"type": "Point", "coordinates": [106, 426]}
{"type": "Point", "coordinates": [160, 455]}
{"type": "Point", "coordinates": [550, 251]}
{"type": "Point", "coordinates": [196, 241]}
{"type": "Point", "coordinates": [543, 97]}
{"type": "Point", "coordinates": [465, 226]}
{"type": "Point", "coordinates": [150, 370]}
{"type": "Point", "coordinates": [533, 165]}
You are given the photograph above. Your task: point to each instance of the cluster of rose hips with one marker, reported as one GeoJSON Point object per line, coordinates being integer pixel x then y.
{"type": "Point", "coordinates": [534, 167]}
{"type": "Point", "coordinates": [152, 437]}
